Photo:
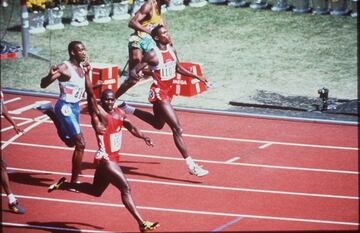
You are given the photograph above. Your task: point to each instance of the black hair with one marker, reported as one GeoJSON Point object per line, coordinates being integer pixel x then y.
{"type": "Point", "coordinates": [72, 45]}
{"type": "Point", "coordinates": [106, 92]}
{"type": "Point", "coordinates": [155, 30]}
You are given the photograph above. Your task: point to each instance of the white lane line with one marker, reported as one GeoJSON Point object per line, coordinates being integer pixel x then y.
{"type": "Point", "coordinates": [19, 124]}
{"type": "Point", "coordinates": [22, 225]}
{"type": "Point", "coordinates": [28, 107]}
{"type": "Point", "coordinates": [223, 188]}
{"type": "Point", "coordinates": [265, 145]}
{"type": "Point", "coordinates": [12, 100]}
{"type": "Point", "coordinates": [197, 160]}
{"type": "Point", "coordinates": [11, 140]}
{"type": "Point", "coordinates": [184, 211]}
{"type": "Point", "coordinates": [232, 160]}
{"type": "Point", "coordinates": [239, 139]}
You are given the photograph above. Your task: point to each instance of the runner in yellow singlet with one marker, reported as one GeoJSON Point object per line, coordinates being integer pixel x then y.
{"type": "Point", "coordinates": [144, 20]}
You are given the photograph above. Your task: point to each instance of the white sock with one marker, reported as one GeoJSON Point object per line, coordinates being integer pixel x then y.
{"type": "Point", "coordinates": [11, 198]}
{"type": "Point", "coordinates": [129, 109]}
{"type": "Point", "coordinates": [190, 162]}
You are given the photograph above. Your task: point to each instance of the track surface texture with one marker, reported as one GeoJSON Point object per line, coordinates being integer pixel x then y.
{"type": "Point", "coordinates": [265, 175]}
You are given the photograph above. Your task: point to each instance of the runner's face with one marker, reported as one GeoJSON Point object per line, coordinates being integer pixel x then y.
{"type": "Point", "coordinates": [163, 36]}
{"type": "Point", "coordinates": [108, 102]}
{"type": "Point", "coordinates": [79, 52]}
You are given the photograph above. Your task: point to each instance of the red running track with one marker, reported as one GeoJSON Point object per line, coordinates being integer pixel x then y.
{"type": "Point", "coordinates": [265, 175]}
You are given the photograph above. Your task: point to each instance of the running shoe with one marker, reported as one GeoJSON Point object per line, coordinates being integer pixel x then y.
{"type": "Point", "coordinates": [149, 226]}
{"type": "Point", "coordinates": [57, 185]}
{"type": "Point", "coordinates": [44, 107]}
{"type": "Point", "coordinates": [16, 208]}
{"type": "Point", "coordinates": [198, 171]}
{"type": "Point", "coordinates": [126, 108]}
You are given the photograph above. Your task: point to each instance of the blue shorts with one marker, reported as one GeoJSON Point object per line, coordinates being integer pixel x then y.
{"type": "Point", "coordinates": [68, 115]}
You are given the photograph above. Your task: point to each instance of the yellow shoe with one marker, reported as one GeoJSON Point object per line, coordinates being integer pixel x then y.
{"type": "Point", "coordinates": [57, 185]}
{"type": "Point", "coordinates": [148, 226]}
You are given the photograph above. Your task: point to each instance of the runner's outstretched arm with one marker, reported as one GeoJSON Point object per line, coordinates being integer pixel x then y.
{"type": "Point", "coordinates": [180, 69]}
{"type": "Point", "coordinates": [136, 132]}
{"type": "Point", "coordinates": [55, 72]}
{"type": "Point", "coordinates": [93, 107]}
{"type": "Point", "coordinates": [5, 113]}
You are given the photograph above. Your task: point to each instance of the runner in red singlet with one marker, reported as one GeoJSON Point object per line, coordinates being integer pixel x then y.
{"type": "Point", "coordinates": [108, 122]}
{"type": "Point", "coordinates": [164, 65]}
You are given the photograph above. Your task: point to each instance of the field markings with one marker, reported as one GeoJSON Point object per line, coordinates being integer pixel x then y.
{"type": "Point", "coordinates": [38, 121]}
{"type": "Point", "coordinates": [232, 160]}
{"type": "Point", "coordinates": [213, 187]}
{"type": "Point", "coordinates": [264, 143]}
{"type": "Point", "coordinates": [185, 211]}
{"type": "Point", "coordinates": [12, 100]}
{"type": "Point", "coordinates": [19, 124]}
{"type": "Point", "coordinates": [196, 160]}
{"type": "Point", "coordinates": [220, 228]}
{"type": "Point", "coordinates": [28, 107]}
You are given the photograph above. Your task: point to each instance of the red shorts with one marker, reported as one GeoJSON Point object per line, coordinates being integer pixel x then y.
{"type": "Point", "coordinates": [158, 93]}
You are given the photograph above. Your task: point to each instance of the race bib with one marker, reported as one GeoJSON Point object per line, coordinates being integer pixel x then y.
{"type": "Point", "coordinates": [115, 141]}
{"type": "Point", "coordinates": [168, 71]}
{"type": "Point", "coordinates": [73, 94]}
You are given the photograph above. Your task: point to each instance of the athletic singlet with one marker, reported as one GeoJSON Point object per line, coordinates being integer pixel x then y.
{"type": "Point", "coordinates": [152, 22]}
{"type": "Point", "coordinates": [113, 135]}
{"type": "Point", "coordinates": [166, 69]}
{"type": "Point", "coordinates": [72, 91]}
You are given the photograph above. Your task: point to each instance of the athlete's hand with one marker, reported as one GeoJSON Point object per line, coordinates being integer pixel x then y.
{"type": "Point", "coordinates": [18, 130]}
{"type": "Point", "coordinates": [148, 141]}
{"type": "Point", "coordinates": [53, 70]}
{"type": "Point", "coordinates": [86, 66]}
{"type": "Point", "coordinates": [202, 78]}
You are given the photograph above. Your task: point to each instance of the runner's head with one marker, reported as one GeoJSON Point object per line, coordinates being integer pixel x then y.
{"type": "Point", "coordinates": [160, 35]}
{"type": "Point", "coordinates": [108, 100]}
{"type": "Point", "coordinates": [77, 51]}
{"type": "Point", "coordinates": [164, 2]}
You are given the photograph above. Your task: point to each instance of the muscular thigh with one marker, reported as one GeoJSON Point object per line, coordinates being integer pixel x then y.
{"type": "Point", "coordinates": [167, 113]}
{"type": "Point", "coordinates": [116, 176]}
{"type": "Point", "coordinates": [101, 179]}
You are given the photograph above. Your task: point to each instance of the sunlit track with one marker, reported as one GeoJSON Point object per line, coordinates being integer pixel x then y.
{"type": "Point", "coordinates": [223, 188]}
{"type": "Point", "coordinates": [262, 142]}
{"type": "Point", "coordinates": [272, 174]}
{"type": "Point", "coordinates": [190, 211]}
{"type": "Point", "coordinates": [197, 160]}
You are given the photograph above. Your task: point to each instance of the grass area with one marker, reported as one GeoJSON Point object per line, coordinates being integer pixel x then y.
{"type": "Point", "coordinates": [242, 50]}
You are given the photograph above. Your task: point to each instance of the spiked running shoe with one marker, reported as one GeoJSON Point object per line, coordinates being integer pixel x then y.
{"type": "Point", "coordinates": [126, 108]}
{"type": "Point", "coordinates": [16, 208]}
{"type": "Point", "coordinates": [57, 185]}
{"type": "Point", "coordinates": [44, 107]}
{"type": "Point", "coordinates": [149, 226]}
{"type": "Point", "coordinates": [198, 171]}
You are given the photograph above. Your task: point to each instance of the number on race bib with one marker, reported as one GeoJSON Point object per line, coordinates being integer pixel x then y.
{"type": "Point", "coordinates": [115, 141]}
{"type": "Point", "coordinates": [168, 71]}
